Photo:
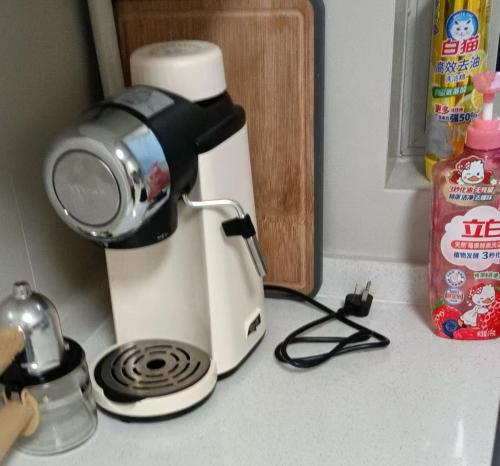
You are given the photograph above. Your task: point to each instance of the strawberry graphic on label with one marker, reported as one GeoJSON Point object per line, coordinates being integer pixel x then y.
{"type": "Point", "coordinates": [445, 319]}
{"type": "Point", "coordinates": [482, 321]}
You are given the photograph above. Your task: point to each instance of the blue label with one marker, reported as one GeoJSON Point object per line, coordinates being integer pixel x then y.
{"type": "Point", "coordinates": [462, 25]}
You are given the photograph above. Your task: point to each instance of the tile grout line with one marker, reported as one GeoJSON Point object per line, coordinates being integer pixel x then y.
{"type": "Point", "coordinates": [25, 239]}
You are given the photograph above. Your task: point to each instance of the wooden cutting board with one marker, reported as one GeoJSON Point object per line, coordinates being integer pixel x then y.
{"type": "Point", "coordinates": [269, 57]}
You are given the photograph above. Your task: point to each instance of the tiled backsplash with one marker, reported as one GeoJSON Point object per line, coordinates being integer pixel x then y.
{"type": "Point", "coordinates": [49, 75]}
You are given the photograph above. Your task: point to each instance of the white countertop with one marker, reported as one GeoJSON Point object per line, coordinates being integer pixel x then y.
{"type": "Point", "coordinates": [421, 401]}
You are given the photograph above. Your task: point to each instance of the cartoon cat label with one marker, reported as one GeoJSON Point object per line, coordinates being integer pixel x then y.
{"type": "Point", "coordinates": [462, 31]}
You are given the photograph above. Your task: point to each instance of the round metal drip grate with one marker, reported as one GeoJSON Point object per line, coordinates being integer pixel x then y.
{"type": "Point", "coordinates": [149, 368]}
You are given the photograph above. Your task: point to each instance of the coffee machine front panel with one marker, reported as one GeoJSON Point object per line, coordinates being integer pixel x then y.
{"type": "Point", "coordinates": [159, 291]}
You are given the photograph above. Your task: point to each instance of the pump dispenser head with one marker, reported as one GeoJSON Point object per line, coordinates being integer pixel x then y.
{"type": "Point", "coordinates": [487, 84]}
{"type": "Point", "coordinates": [484, 132]}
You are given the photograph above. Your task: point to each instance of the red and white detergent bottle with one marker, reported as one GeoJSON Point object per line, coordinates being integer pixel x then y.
{"type": "Point", "coordinates": [464, 271]}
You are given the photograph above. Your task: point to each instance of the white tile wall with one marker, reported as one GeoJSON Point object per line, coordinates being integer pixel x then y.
{"type": "Point", "coordinates": [14, 259]}
{"type": "Point", "coordinates": [48, 76]}
{"type": "Point", "coordinates": [364, 216]}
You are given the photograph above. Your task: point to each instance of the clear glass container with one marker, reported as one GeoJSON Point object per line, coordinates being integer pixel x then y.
{"type": "Point", "coordinates": [68, 415]}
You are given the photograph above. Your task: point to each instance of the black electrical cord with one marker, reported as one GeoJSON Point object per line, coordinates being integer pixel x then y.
{"type": "Point", "coordinates": [356, 342]}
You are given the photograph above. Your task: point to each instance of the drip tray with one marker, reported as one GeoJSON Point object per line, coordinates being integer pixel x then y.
{"type": "Point", "coordinates": [149, 368]}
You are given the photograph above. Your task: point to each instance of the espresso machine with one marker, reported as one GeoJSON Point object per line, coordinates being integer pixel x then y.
{"type": "Point", "coordinates": [160, 176]}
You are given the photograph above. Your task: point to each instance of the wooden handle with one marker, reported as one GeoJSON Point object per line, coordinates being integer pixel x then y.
{"type": "Point", "coordinates": [11, 343]}
{"type": "Point", "coordinates": [20, 417]}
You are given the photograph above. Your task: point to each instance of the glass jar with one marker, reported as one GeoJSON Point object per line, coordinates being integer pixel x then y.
{"type": "Point", "coordinates": [68, 415]}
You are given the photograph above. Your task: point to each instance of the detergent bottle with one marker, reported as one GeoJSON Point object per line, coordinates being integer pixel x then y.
{"type": "Point", "coordinates": [464, 269]}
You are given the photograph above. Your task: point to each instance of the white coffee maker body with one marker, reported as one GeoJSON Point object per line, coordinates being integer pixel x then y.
{"type": "Point", "coordinates": [199, 287]}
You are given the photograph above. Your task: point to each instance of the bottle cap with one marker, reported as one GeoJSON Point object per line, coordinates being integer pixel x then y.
{"type": "Point", "coordinates": [484, 132]}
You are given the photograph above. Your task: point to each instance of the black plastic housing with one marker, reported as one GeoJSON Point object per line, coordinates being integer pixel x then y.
{"type": "Point", "coordinates": [184, 130]}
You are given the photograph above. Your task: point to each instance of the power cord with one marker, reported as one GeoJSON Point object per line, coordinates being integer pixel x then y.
{"type": "Point", "coordinates": [356, 304]}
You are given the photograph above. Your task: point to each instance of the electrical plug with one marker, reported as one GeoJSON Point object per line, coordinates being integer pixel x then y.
{"type": "Point", "coordinates": [358, 304]}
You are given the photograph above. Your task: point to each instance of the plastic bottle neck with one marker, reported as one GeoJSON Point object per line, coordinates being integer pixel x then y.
{"type": "Point", "coordinates": [487, 114]}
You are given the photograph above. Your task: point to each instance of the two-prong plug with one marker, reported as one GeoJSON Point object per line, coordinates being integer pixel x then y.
{"type": "Point", "coordinates": [358, 304]}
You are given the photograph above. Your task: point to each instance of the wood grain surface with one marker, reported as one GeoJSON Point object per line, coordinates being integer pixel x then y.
{"type": "Point", "coordinates": [268, 48]}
